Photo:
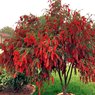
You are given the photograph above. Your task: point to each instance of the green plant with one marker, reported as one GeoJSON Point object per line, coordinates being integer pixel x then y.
{"type": "Point", "coordinates": [18, 82]}
{"type": "Point", "coordinates": [13, 83]}
{"type": "Point", "coordinates": [4, 79]}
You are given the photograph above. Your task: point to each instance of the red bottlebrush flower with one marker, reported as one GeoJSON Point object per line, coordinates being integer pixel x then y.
{"type": "Point", "coordinates": [75, 54]}
{"type": "Point", "coordinates": [25, 16]}
{"type": "Point", "coordinates": [93, 79]}
{"type": "Point", "coordinates": [45, 75]}
{"type": "Point", "coordinates": [38, 65]}
{"type": "Point", "coordinates": [16, 53]}
{"type": "Point", "coordinates": [1, 59]}
{"type": "Point", "coordinates": [52, 79]}
{"type": "Point", "coordinates": [11, 47]}
{"type": "Point", "coordinates": [94, 71]}
{"type": "Point", "coordinates": [70, 60]}
{"type": "Point", "coordinates": [30, 40]}
{"type": "Point", "coordinates": [21, 69]}
{"type": "Point", "coordinates": [47, 63]}
{"type": "Point", "coordinates": [21, 18]}
{"type": "Point", "coordinates": [50, 49]}
{"type": "Point", "coordinates": [69, 10]}
{"type": "Point", "coordinates": [15, 75]}
{"type": "Point", "coordinates": [19, 63]}
{"type": "Point", "coordinates": [45, 55]}
{"type": "Point", "coordinates": [24, 57]}
{"type": "Point", "coordinates": [52, 56]}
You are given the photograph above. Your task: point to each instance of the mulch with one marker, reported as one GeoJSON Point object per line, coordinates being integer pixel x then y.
{"type": "Point", "coordinates": [27, 90]}
{"type": "Point", "coordinates": [66, 94]}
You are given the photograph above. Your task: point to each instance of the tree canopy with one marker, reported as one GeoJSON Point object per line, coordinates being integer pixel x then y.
{"type": "Point", "coordinates": [37, 48]}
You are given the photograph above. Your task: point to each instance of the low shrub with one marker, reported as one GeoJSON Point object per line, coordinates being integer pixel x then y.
{"type": "Point", "coordinates": [7, 82]}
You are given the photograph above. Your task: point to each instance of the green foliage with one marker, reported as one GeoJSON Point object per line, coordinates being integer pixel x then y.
{"type": "Point", "coordinates": [10, 83]}
{"type": "Point", "coordinates": [42, 20]}
{"type": "Point", "coordinates": [18, 82]}
{"type": "Point", "coordinates": [76, 87]}
{"type": "Point", "coordinates": [4, 80]}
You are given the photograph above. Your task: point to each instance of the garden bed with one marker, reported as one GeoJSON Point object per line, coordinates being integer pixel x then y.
{"type": "Point", "coordinates": [27, 90]}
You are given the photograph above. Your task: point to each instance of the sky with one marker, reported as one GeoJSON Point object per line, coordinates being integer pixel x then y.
{"type": "Point", "coordinates": [11, 10]}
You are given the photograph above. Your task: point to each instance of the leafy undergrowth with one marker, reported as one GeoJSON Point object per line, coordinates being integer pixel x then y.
{"type": "Point", "coordinates": [76, 86]}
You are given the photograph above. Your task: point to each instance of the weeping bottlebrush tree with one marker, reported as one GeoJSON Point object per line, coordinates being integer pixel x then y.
{"type": "Point", "coordinates": [63, 43]}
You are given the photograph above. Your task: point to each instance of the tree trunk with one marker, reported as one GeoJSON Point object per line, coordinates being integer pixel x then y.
{"type": "Point", "coordinates": [64, 90]}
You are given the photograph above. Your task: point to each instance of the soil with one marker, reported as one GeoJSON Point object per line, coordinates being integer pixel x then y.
{"type": "Point", "coordinates": [66, 94]}
{"type": "Point", "coordinates": [27, 90]}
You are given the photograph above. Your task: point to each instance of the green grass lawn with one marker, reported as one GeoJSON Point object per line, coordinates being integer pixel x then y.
{"type": "Point", "coordinates": [75, 86]}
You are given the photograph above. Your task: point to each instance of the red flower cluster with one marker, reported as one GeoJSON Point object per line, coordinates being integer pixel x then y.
{"type": "Point", "coordinates": [30, 40]}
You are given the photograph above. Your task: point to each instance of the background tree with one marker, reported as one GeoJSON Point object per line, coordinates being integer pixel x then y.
{"type": "Point", "coordinates": [8, 30]}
